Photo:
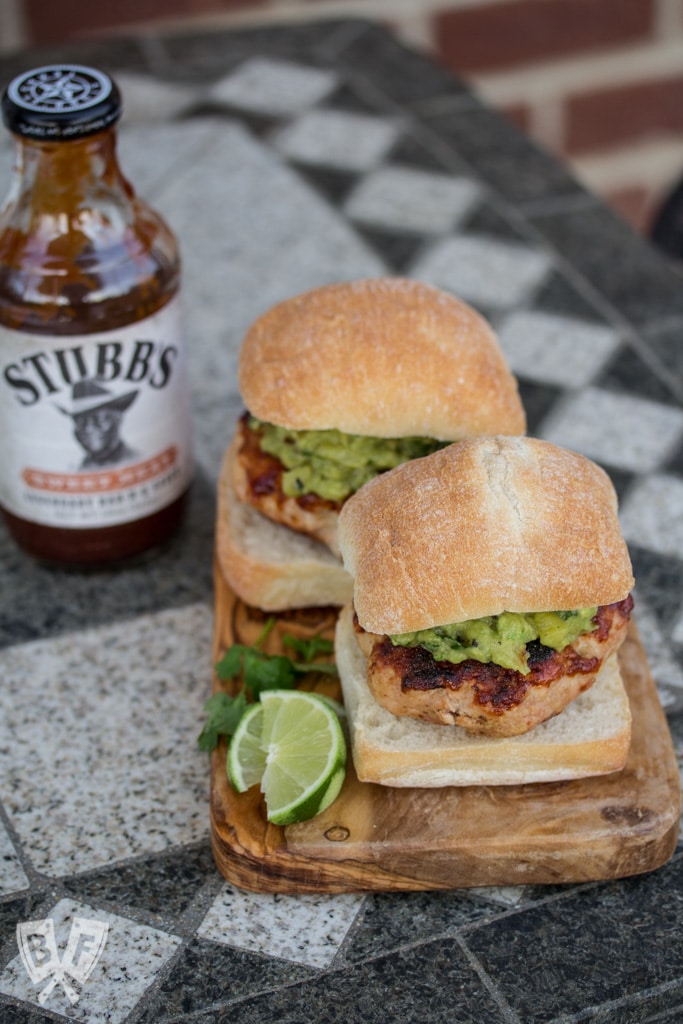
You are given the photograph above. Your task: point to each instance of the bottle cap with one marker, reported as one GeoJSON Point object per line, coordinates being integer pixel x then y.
{"type": "Point", "coordinates": [60, 102]}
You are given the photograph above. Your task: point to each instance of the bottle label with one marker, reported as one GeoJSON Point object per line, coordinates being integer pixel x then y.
{"type": "Point", "coordinates": [96, 429]}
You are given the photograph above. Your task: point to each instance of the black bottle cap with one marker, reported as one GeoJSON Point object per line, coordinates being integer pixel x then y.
{"type": "Point", "coordinates": [60, 102]}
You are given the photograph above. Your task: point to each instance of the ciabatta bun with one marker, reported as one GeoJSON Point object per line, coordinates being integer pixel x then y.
{"type": "Point", "coordinates": [268, 565]}
{"type": "Point", "coordinates": [590, 737]}
{"type": "Point", "coordinates": [385, 357]}
{"type": "Point", "coordinates": [481, 527]}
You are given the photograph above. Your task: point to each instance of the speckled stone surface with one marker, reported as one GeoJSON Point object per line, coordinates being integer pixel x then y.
{"type": "Point", "coordinates": [12, 875]}
{"type": "Point", "coordinates": [285, 158]}
{"type": "Point", "coordinates": [97, 759]}
{"type": "Point", "coordinates": [132, 956]}
{"type": "Point", "coordinates": [491, 274]}
{"type": "Point", "coordinates": [304, 929]}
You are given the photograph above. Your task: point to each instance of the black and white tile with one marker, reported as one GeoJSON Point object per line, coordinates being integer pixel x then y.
{"type": "Point", "coordinates": [285, 159]}
{"type": "Point", "coordinates": [401, 198]}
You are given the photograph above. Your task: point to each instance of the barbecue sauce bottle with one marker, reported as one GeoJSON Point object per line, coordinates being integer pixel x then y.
{"type": "Point", "coordinates": [95, 451]}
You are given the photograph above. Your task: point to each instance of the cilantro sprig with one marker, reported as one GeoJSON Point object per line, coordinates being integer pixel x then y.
{"type": "Point", "coordinates": [259, 671]}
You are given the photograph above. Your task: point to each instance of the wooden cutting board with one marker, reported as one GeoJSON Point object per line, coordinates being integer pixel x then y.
{"type": "Point", "coordinates": [376, 838]}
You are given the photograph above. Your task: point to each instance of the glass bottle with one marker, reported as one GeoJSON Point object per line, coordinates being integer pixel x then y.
{"type": "Point", "coordinates": [95, 461]}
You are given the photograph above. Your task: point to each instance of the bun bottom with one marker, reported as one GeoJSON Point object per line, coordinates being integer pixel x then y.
{"type": "Point", "coordinates": [590, 737]}
{"type": "Point", "coordinates": [268, 565]}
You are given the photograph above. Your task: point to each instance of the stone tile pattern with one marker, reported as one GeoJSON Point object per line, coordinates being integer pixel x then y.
{"type": "Point", "coordinates": [504, 271]}
{"type": "Point", "coordinates": [95, 758]}
{"type": "Point", "coordinates": [131, 957]}
{"type": "Point", "coordinates": [337, 154]}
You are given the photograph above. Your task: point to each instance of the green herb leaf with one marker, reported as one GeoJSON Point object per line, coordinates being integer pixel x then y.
{"type": "Point", "coordinates": [309, 649]}
{"type": "Point", "coordinates": [267, 672]}
{"type": "Point", "coordinates": [327, 668]}
{"type": "Point", "coordinates": [259, 671]}
{"type": "Point", "coordinates": [223, 714]}
{"type": "Point", "coordinates": [230, 665]}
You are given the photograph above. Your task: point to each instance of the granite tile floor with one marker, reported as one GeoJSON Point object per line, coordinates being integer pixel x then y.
{"type": "Point", "coordinates": [285, 158]}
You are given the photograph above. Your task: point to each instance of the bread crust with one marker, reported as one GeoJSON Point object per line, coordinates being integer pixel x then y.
{"type": "Point", "coordinates": [268, 565]}
{"type": "Point", "coordinates": [481, 527]}
{"type": "Point", "coordinates": [385, 357]}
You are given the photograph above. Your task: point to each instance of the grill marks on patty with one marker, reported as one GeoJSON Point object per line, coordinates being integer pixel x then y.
{"type": "Point", "coordinates": [501, 688]}
{"type": "Point", "coordinates": [480, 697]}
{"type": "Point", "coordinates": [264, 473]}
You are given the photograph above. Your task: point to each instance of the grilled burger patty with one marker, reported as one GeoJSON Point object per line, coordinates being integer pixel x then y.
{"type": "Point", "coordinates": [486, 698]}
{"type": "Point", "coordinates": [257, 479]}
{"type": "Point", "coordinates": [264, 473]}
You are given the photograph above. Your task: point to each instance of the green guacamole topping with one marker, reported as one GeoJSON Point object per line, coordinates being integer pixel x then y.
{"type": "Point", "coordinates": [332, 464]}
{"type": "Point", "coordinates": [501, 639]}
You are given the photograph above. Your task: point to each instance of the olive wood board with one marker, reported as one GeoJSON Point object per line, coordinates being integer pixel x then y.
{"type": "Point", "coordinates": [384, 839]}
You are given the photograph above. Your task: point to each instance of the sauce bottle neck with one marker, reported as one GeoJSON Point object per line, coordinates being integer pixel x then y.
{"type": "Point", "coordinates": [64, 177]}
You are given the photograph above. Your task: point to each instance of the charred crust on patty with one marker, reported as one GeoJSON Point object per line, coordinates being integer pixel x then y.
{"type": "Point", "coordinates": [481, 696]}
{"type": "Point", "coordinates": [264, 472]}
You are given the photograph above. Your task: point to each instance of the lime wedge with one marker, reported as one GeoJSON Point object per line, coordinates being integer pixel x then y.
{"type": "Point", "coordinates": [246, 757]}
{"type": "Point", "coordinates": [305, 755]}
{"type": "Point", "coordinates": [338, 708]}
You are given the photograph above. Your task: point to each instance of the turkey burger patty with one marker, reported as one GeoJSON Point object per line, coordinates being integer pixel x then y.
{"type": "Point", "coordinates": [480, 694]}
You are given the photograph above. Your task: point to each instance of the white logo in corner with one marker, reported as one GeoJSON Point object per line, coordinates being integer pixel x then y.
{"type": "Point", "coordinates": [40, 956]}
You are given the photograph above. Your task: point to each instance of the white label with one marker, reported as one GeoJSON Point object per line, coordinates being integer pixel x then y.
{"type": "Point", "coordinates": [95, 428]}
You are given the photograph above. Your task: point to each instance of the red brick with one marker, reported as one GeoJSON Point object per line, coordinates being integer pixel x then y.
{"type": "Point", "coordinates": [634, 204]}
{"type": "Point", "coordinates": [611, 117]}
{"type": "Point", "coordinates": [508, 34]}
{"type": "Point", "coordinates": [519, 114]}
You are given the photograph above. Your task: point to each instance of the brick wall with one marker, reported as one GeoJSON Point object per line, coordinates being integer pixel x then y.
{"type": "Point", "coordinates": [599, 82]}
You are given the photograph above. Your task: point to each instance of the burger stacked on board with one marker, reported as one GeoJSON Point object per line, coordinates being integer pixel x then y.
{"type": "Point", "coordinates": [491, 594]}
{"type": "Point", "coordinates": [381, 465]}
{"type": "Point", "coordinates": [340, 385]}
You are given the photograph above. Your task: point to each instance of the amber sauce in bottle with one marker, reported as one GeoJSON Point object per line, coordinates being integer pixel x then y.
{"type": "Point", "coordinates": [82, 258]}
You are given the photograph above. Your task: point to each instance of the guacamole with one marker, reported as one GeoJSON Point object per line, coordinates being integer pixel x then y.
{"type": "Point", "coordinates": [501, 639]}
{"type": "Point", "coordinates": [332, 464]}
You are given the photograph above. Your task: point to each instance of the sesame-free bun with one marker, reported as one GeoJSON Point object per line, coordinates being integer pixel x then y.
{"type": "Point", "coordinates": [481, 527]}
{"type": "Point", "coordinates": [268, 565]}
{"type": "Point", "coordinates": [384, 357]}
{"type": "Point", "coordinates": [590, 737]}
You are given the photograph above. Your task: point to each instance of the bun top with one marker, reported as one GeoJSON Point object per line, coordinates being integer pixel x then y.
{"type": "Point", "coordinates": [384, 357]}
{"type": "Point", "coordinates": [481, 527]}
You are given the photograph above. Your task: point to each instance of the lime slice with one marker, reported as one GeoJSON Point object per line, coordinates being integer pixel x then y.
{"type": "Point", "coordinates": [336, 706]}
{"type": "Point", "coordinates": [246, 757]}
{"type": "Point", "coordinates": [305, 754]}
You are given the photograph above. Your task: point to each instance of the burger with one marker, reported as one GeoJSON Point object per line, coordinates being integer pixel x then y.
{"type": "Point", "coordinates": [491, 593]}
{"type": "Point", "coordinates": [342, 384]}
